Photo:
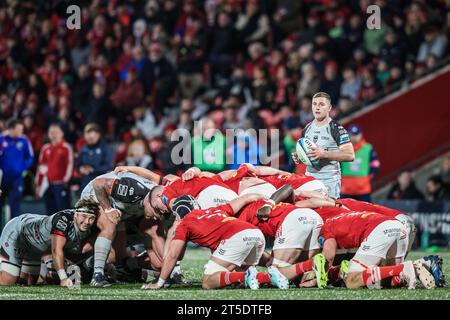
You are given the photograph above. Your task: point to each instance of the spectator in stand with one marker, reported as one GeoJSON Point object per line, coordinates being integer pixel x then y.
{"type": "Point", "coordinates": [309, 83]}
{"type": "Point", "coordinates": [138, 154]}
{"type": "Point", "coordinates": [436, 189]}
{"type": "Point", "coordinates": [351, 84]}
{"type": "Point", "coordinates": [331, 82]}
{"type": "Point", "coordinates": [82, 91]}
{"type": "Point", "coordinates": [435, 44]}
{"type": "Point", "coordinates": [190, 65]}
{"type": "Point", "coordinates": [128, 95]}
{"type": "Point", "coordinates": [257, 59]}
{"type": "Point", "coordinates": [137, 62]}
{"type": "Point", "coordinates": [444, 171]}
{"type": "Point", "coordinates": [208, 146]}
{"type": "Point", "coordinates": [305, 113]}
{"type": "Point", "coordinates": [357, 175]}
{"type": "Point", "coordinates": [345, 106]}
{"type": "Point", "coordinates": [222, 47]}
{"type": "Point", "coordinates": [54, 171]}
{"type": "Point", "coordinates": [16, 156]}
{"type": "Point", "coordinates": [393, 51]}
{"type": "Point", "coordinates": [33, 132]}
{"type": "Point", "coordinates": [262, 88]}
{"type": "Point", "coordinates": [158, 76]}
{"type": "Point", "coordinates": [405, 188]}
{"type": "Point", "coordinates": [99, 106]}
{"type": "Point", "coordinates": [95, 158]}
{"type": "Point", "coordinates": [252, 25]}
{"type": "Point", "coordinates": [370, 86]}
{"type": "Point", "coordinates": [146, 123]}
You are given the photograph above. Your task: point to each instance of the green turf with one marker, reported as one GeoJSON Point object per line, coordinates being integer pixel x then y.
{"type": "Point", "coordinates": [193, 266]}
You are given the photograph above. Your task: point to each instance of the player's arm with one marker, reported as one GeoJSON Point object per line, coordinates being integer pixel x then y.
{"type": "Point", "coordinates": [176, 248]}
{"type": "Point", "coordinates": [315, 203]}
{"type": "Point", "coordinates": [284, 194]}
{"type": "Point", "coordinates": [143, 172]}
{"type": "Point", "coordinates": [346, 153]}
{"type": "Point", "coordinates": [329, 250]}
{"type": "Point", "coordinates": [310, 194]}
{"type": "Point", "coordinates": [240, 202]}
{"type": "Point", "coordinates": [227, 174]}
{"type": "Point", "coordinates": [58, 243]}
{"type": "Point", "coordinates": [265, 170]}
{"type": "Point", "coordinates": [102, 188]}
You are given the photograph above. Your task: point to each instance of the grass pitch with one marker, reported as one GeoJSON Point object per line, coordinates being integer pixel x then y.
{"type": "Point", "coordinates": [193, 266]}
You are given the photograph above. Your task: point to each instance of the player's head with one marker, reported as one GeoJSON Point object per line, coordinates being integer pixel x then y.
{"type": "Point", "coordinates": [184, 204]}
{"type": "Point", "coordinates": [154, 207]}
{"type": "Point", "coordinates": [86, 212]}
{"type": "Point", "coordinates": [321, 105]}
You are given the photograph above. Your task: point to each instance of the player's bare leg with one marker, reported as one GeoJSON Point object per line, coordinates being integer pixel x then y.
{"type": "Point", "coordinates": [9, 273]}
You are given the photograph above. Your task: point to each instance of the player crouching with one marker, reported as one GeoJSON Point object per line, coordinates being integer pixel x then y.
{"type": "Point", "coordinates": [381, 240]}
{"type": "Point", "coordinates": [28, 237]}
{"type": "Point", "coordinates": [235, 243]}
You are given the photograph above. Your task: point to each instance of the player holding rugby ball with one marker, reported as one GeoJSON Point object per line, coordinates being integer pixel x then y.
{"type": "Point", "coordinates": [330, 145]}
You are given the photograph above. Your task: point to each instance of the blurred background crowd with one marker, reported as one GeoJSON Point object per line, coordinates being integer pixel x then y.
{"type": "Point", "coordinates": [112, 92]}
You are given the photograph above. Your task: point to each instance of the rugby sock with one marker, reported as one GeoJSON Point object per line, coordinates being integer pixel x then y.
{"type": "Point", "coordinates": [302, 267]}
{"type": "Point", "coordinates": [375, 274]}
{"type": "Point", "coordinates": [102, 247]}
{"type": "Point", "coordinates": [334, 273]}
{"type": "Point", "coordinates": [227, 278]}
{"type": "Point", "coordinates": [263, 278]}
{"type": "Point", "coordinates": [176, 269]}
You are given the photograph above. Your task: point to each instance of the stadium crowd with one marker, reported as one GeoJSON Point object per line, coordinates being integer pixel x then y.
{"type": "Point", "coordinates": [137, 70]}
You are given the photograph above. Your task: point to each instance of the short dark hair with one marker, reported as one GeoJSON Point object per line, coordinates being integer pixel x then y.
{"type": "Point", "coordinates": [322, 95]}
{"type": "Point", "coordinates": [12, 123]}
{"type": "Point", "coordinates": [92, 127]}
{"type": "Point", "coordinates": [90, 205]}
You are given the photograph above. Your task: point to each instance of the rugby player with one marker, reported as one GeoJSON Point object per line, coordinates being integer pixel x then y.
{"type": "Point", "coordinates": [123, 197]}
{"type": "Point", "coordinates": [293, 230]}
{"type": "Point", "coordinates": [25, 239]}
{"type": "Point", "coordinates": [333, 145]}
{"type": "Point", "coordinates": [379, 238]}
{"type": "Point", "coordinates": [235, 243]}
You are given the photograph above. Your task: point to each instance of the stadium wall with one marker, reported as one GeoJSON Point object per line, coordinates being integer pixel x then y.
{"type": "Point", "coordinates": [408, 128]}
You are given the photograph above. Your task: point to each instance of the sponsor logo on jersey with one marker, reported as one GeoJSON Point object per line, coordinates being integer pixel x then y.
{"type": "Point", "coordinates": [365, 248]}
{"type": "Point", "coordinates": [122, 190]}
{"type": "Point", "coordinates": [222, 251]}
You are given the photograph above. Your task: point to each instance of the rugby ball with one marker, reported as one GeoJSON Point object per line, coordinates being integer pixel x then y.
{"type": "Point", "coordinates": [302, 148]}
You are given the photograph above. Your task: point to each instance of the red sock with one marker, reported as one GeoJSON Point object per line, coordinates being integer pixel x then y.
{"type": "Point", "coordinates": [227, 278]}
{"type": "Point", "coordinates": [374, 274]}
{"type": "Point", "coordinates": [334, 274]}
{"type": "Point", "coordinates": [395, 282]}
{"type": "Point", "coordinates": [263, 278]}
{"type": "Point", "coordinates": [302, 267]}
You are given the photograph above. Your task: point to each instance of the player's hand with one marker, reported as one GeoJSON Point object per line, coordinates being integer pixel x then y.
{"type": "Point", "coordinates": [150, 286]}
{"type": "Point", "coordinates": [113, 215]}
{"type": "Point", "coordinates": [317, 154]}
{"type": "Point", "coordinates": [189, 174]}
{"type": "Point", "coordinates": [66, 283]}
{"type": "Point", "coordinates": [121, 169]}
{"type": "Point", "coordinates": [263, 213]}
{"type": "Point", "coordinates": [295, 158]}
